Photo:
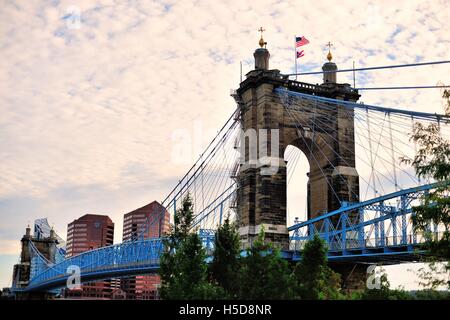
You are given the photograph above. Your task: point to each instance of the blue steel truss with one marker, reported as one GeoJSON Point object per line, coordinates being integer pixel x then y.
{"type": "Point", "coordinates": [374, 230]}
{"type": "Point", "coordinates": [128, 258]}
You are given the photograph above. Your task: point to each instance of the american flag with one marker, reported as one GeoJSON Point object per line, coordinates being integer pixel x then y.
{"type": "Point", "coordinates": [300, 54]}
{"type": "Point", "coordinates": [301, 41]}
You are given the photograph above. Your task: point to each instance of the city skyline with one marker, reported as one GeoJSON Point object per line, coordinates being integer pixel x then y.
{"type": "Point", "coordinates": [91, 232]}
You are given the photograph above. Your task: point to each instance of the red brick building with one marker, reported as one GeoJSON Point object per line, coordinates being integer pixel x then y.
{"type": "Point", "coordinates": [89, 232]}
{"type": "Point", "coordinates": [144, 287]}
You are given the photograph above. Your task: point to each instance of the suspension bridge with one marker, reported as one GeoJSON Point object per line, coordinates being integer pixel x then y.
{"type": "Point", "coordinates": [359, 194]}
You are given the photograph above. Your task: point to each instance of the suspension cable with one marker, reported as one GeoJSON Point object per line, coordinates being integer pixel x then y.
{"type": "Point", "coordinates": [372, 68]}
{"type": "Point", "coordinates": [353, 105]}
{"type": "Point", "coordinates": [366, 149]}
{"type": "Point", "coordinates": [402, 88]}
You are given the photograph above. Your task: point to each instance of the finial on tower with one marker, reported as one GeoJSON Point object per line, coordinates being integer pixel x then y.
{"type": "Point", "coordinates": [261, 54]}
{"type": "Point", "coordinates": [329, 68]}
{"type": "Point", "coordinates": [262, 43]}
{"type": "Point", "coordinates": [329, 55]}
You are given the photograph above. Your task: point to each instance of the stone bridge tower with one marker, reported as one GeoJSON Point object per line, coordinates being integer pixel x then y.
{"type": "Point", "coordinates": [329, 148]}
{"type": "Point", "coordinates": [22, 270]}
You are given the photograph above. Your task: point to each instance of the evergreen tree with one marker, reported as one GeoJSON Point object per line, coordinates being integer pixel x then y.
{"type": "Point", "coordinates": [264, 273]}
{"type": "Point", "coordinates": [183, 220]}
{"type": "Point", "coordinates": [315, 280]}
{"type": "Point", "coordinates": [226, 264]}
{"type": "Point", "coordinates": [183, 267]}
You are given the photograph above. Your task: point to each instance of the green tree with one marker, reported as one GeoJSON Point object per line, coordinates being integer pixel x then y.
{"type": "Point", "coordinates": [183, 220]}
{"type": "Point", "coordinates": [225, 265]}
{"type": "Point", "coordinates": [433, 276]}
{"type": "Point", "coordinates": [264, 273]}
{"type": "Point", "coordinates": [432, 295]}
{"type": "Point", "coordinates": [315, 280]}
{"type": "Point", "coordinates": [183, 267]}
{"type": "Point", "coordinates": [432, 160]}
{"type": "Point", "coordinates": [445, 98]}
{"type": "Point", "coordinates": [383, 292]}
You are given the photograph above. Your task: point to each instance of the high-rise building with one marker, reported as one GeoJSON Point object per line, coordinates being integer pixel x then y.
{"type": "Point", "coordinates": [149, 221]}
{"type": "Point", "coordinates": [89, 232]}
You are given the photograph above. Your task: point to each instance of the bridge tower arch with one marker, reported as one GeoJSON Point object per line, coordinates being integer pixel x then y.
{"type": "Point", "coordinates": [296, 184]}
{"type": "Point", "coordinates": [329, 148]}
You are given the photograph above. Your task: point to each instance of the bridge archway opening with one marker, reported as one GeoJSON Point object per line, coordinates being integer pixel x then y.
{"type": "Point", "coordinates": [296, 184]}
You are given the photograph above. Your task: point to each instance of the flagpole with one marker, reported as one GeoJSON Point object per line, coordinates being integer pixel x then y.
{"type": "Point", "coordinates": [295, 56]}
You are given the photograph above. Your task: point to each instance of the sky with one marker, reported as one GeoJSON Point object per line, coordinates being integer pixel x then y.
{"type": "Point", "coordinates": [88, 106]}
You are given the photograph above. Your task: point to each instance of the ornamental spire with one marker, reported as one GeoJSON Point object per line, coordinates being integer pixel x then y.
{"type": "Point", "coordinates": [329, 55]}
{"type": "Point", "coordinates": [262, 43]}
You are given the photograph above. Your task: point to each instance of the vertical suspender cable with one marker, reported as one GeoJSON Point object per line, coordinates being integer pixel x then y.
{"type": "Point", "coordinates": [372, 165]}
{"type": "Point", "coordinates": [394, 167]}
{"type": "Point", "coordinates": [415, 144]}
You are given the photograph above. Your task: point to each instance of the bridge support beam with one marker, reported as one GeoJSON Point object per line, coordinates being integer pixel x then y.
{"type": "Point", "coordinates": [353, 275]}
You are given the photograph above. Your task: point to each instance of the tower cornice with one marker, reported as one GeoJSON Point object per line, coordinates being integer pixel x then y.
{"type": "Point", "coordinates": [329, 90]}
